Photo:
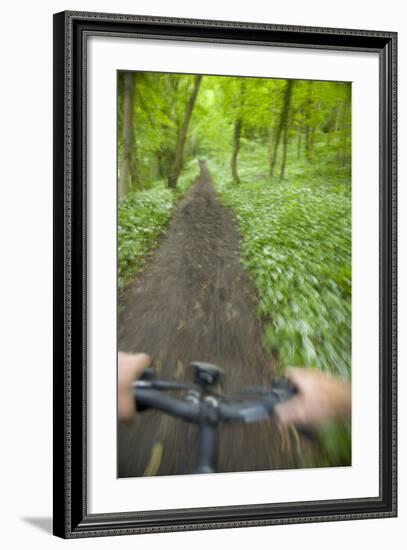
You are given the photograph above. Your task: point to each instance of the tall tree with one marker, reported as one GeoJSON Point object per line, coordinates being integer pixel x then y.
{"type": "Point", "coordinates": [309, 127]}
{"type": "Point", "coordinates": [282, 125]}
{"type": "Point", "coordinates": [237, 131]}
{"type": "Point", "coordinates": [345, 128]}
{"type": "Point", "coordinates": [182, 135]}
{"type": "Point", "coordinates": [127, 133]}
{"type": "Point", "coordinates": [284, 157]}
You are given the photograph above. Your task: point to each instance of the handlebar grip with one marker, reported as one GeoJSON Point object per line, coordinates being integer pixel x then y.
{"type": "Point", "coordinates": [147, 374]}
{"type": "Point", "coordinates": [141, 404]}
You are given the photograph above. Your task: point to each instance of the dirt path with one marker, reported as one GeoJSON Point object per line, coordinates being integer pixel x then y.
{"type": "Point", "coordinates": [195, 302]}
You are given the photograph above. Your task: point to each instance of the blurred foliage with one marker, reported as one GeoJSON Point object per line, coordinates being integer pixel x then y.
{"type": "Point", "coordinates": [296, 246]}
{"type": "Point", "coordinates": [316, 124]}
{"type": "Point", "coordinates": [159, 105]}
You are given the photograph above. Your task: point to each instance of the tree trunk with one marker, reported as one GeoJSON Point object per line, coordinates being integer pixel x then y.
{"type": "Point", "coordinates": [299, 143]}
{"type": "Point", "coordinates": [285, 144]}
{"type": "Point", "coordinates": [308, 129]}
{"type": "Point", "coordinates": [236, 146]}
{"type": "Point", "coordinates": [237, 131]}
{"type": "Point", "coordinates": [128, 111]}
{"type": "Point", "coordinates": [347, 125]}
{"type": "Point", "coordinates": [182, 136]}
{"type": "Point", "coordinates": [282, 123]}
{"type": "Point", "coordinates": [270, 148]}
{"type": "Point", "coordinates": [135, 165]}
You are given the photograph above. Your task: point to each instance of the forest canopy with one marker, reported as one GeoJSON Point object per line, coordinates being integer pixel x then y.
{"type": "Point", "coordinates": [166, 119]}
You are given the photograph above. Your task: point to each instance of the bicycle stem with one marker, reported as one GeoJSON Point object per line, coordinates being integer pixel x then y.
{"type": "Point", "coordinates": [207, 452]}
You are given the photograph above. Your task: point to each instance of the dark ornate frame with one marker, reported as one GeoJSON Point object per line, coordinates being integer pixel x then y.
{"type": "Point", "coordinates": [71, 518]}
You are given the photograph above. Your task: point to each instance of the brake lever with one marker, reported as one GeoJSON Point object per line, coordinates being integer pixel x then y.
{"type": "Point", "coordinates": [284, 388]}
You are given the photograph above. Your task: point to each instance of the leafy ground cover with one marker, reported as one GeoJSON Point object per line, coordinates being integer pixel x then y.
{"type": "Point", "coordinates": [142, 217]}
{"type": "Point", "coordinates": [296, 246]}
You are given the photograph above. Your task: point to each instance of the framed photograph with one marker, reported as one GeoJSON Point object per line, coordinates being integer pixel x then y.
{"type": "Point", "coordinates": [224, 274]}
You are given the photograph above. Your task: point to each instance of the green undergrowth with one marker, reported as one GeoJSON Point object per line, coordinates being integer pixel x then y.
{"type": "Point", "coordinates": [142, 217]}
{"type": "Point", "coordinates": [296, 246]}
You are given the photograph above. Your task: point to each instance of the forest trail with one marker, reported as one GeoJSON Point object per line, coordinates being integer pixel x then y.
{"type": "Point", "coordinates": [194, 301]}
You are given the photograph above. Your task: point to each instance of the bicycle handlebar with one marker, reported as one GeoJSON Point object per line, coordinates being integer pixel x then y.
{"type": "Point", "coordinates": [207, 409]}
{"type": "Point", "coordinates": [154, 399]}
{"type": "Point", "coordinates": [189, 408]}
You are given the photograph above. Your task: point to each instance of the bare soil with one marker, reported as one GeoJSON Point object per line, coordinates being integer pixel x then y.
{"type": "Point", "coordinates": [194, 301]}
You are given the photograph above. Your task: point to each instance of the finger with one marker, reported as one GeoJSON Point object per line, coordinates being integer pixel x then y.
{"type": "Point", "coordinates": [131, 366]}
{"type": "Point", "coordinates": [301, 377]}
{"type": "Point", "coordinates": [291, 412]}
{"type": "Point", "coordinates": [139, 362]}
{"type": "Point", "coordinates": [125, 404]}
{"type": "Point", "coordinates": [294, 373]}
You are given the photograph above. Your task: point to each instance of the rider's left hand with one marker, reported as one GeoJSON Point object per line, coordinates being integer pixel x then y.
{"type": "Point", "coordinates": [130, 367]}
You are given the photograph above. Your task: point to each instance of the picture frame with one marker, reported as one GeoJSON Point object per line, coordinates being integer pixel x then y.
{"type": "Point", "coordinates": [71, 512]}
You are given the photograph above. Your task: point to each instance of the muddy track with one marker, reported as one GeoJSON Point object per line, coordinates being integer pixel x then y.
{"type": "Point", "coordinates": [194, 302]}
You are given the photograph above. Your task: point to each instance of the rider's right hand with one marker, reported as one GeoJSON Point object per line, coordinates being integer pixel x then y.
{"type": "Point", "coordinates": [320, 398]}
{"type": "Point", "coordinates": [130, 367]}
